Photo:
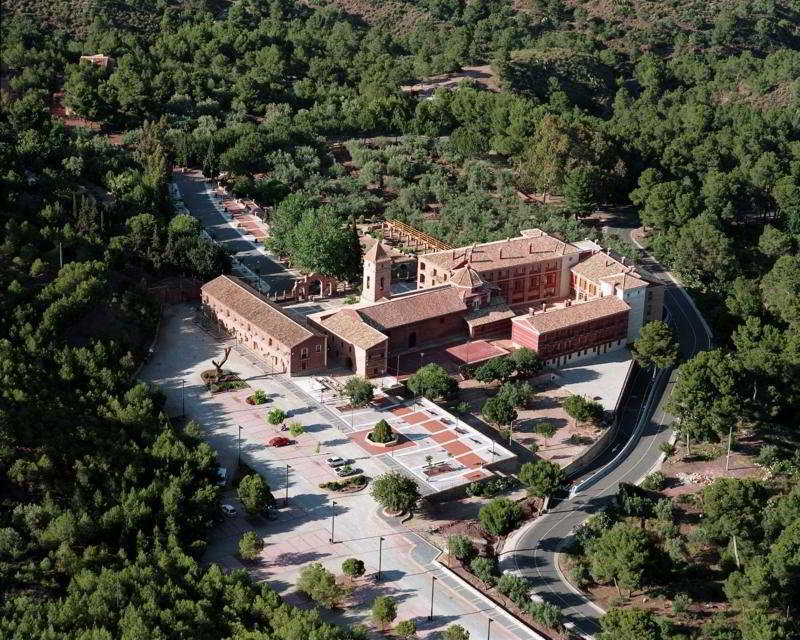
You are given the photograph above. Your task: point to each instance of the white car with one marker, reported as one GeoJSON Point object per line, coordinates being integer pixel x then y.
{"type": "Point", "coordinates": [228, 510]}
{"type": "Point", "coordinates": [336, 462]}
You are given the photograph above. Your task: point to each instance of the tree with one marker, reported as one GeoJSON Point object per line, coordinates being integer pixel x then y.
{"type": "Point", "coordinates": [359, 391]}
{"type": "Point", "coordinates": [250, 545]}
{"type": "Point", "coordinates": [500, 516]}
{"type": "Point", "coordinates": [319, 584]}
{"type": "Point", "coordinates": [518, 394]}
{"type": "Point", "coordinates": [184, 224]}
{"type": "Point", "coordinates": [704, 398]}
{"type": "Point", "coordinates": [276, 416]}
{"type": "Point", "coordinates": [395, 492]}
{"type": "Point", "coordinates": [542, 477]}
{"type": "Point", "coordinates": [526, 362]}
{"type": "Point", "coordinates": [703, 254]}
{"type": "Point", "coordinates": [406, 629]}
{"type": "Point", "coordinates": [433, 382]}
{"type": "Point", "coordinates": [497, 369]}
{"type": "Point", "coordinates": [499, 411]}
{"type": "Point", "coordinates": [384, 610]}
{"type": "Point", "coordinates": [774, 243]}
{"type": "Point", "coordinates": [455, 632]}
{"type": "Point", "coordinates": [461, 547]}
{"type": "Point", "coordinates": [218, 365]}
{"type": "Point", "coordinates": [353, 568]}
{"type": "Point", "coordinates": [630, 624]}
{"type": "Point", "coordinates": [733, 507]}
{"type": "Point", "coordinates": [656, 346]}
{"type": "Point", "coordinates": [582, 410]}
{"type": "Point", "coordinates": [579, 191]}
{"type": "Point", "coordinates": [322, 244]}
{"type": "Point", "coordinates": [547, 430]}
{"type": "Point", "coordinates": [621, 554]}
{"type": "Point", "coordinates": [254, 494]}
{"type": "Point", "coordinates": [781, 289]}
{"type": "Point", "coordinates": [381, 432]}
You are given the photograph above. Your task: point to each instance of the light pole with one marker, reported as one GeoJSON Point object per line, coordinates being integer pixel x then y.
{"type": "Point", "coordinates": [433, 582]}
{"type": "Point", "coordinates": [380, 554]}
{"type": "Point", "coordinates": [489, 629]}
{"type": "Point", "coordinates": [286, 488]}
{"type": "Point", "coordinates": [239, 446]}
{"type": "Point", "coordinates": [333, 516]}
{"type": "Point", "coordinates": [183, 403]}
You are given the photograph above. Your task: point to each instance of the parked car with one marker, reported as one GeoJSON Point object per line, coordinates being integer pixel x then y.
{"type": "Point", "coordinates": [336, 461]}
{"type": "Point", "coordinates": [228, 510]}
{"type": "Point", "coordinates": [222, 476]}
{"type": "Point", "coordinates": [279, 441]}
{"type": "Point", "coordinates": [347, 470]}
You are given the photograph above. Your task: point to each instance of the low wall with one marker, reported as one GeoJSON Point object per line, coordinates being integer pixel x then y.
{"type": "Point", "coordinates": [578, 465]}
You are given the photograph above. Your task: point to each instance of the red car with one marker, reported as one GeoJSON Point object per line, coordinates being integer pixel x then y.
{"type": "Point", "coordinates": [279, 441]}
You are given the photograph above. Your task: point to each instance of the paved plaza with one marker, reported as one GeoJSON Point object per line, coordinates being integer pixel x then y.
{"type": "Point", "coordinates": [302, 532]}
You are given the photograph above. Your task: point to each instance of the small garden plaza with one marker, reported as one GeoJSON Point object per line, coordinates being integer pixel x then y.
{"type": "Point", "coordinates": [441, 452]}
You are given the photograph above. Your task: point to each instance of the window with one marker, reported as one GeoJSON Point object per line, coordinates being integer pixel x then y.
{"type": "Point", "coordinates": [304, 352]}
{"type": "Point", "coordinates": [318, 348]}
{"type": "Point", "coordinates": [422, 266]}
{"type": "Point", "coordinates": [382, 283]}
{"type": "Point", "coordinates": [367, 282]}
{"type": "Point", "coordinates": [270, 342]}
{"type": "Point", "coordinates": [422, 277]}
{"type": "Point", "coordinates": [434, 273]}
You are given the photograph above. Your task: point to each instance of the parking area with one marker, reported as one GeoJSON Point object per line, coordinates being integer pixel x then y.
{"type": "Point", "coordinates": [303, 529]}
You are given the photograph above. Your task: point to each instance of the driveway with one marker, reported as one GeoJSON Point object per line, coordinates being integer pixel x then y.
{"type": "Point", "coordinates": [302, 532]}
{"type": "Point", "coordinates": [196, 195]}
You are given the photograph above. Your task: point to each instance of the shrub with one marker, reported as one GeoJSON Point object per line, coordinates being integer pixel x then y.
{"type": "Point", "coordinates": [384, 610]}
{"type": "Point", "coordinates": [547, 614]}
{"type": "Point", "coordinates": [296, 429]}
{"type": "Point", "coordinates": [259, 397]}
{"type": "Point", "coordinates": [768, 455]}
{"type": "Point", "coordinates": [250, 545]}
{"type": "Point", "coordinates": [580, 574]}
{"type": "Point", "coordinates": [461, 547]}
{"type": "Point", "coordinates": [654, 481]}
{"type": "Point", "coordinates": [455, 632]}
{"type": "Point", "coordinates": [406, 629]}
{"type": "Point", "coordinates": [484, 569]}
{"type": "Point", "coordinates": [515, 587]}
{"type": "Point", "coordinates": [319, 584]}
{"type": "Point", "coordinates": [395, 492]}
{"type": "Point", "coordinates": [680, 603]}
{"type": "Point", "coordinates": [668, 449]}
{"type": "Point", "coordinates": [276, 416]}
{"type": "Point", "coordinates": [500, 516]}
{"type": "Point", "coordinates": [381, 433]}
{"type": "Point", "coordinates": [353, 567]}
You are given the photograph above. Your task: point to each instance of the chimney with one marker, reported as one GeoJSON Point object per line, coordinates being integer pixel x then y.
{"type": "Point", "coordinates": [531, 311]}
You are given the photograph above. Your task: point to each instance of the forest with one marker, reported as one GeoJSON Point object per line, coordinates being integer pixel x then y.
{"type": "Point", "coordinates": [683, 117]}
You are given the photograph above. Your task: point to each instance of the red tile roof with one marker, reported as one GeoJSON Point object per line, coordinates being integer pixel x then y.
{"type": "Point", "coordinates": [416, 307]}
{"type": "Point", "coordinates": [349, 326]}
{"type": "Point", "coordinates": [575, 314]}
{"type": "Point", "coordinates": [257, 310]}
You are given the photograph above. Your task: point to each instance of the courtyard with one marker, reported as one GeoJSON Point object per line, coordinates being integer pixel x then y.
{"type": "Point", "coordinates": [313, 517]}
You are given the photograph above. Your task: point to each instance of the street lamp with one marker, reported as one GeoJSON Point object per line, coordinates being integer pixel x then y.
{"type": "Point", "coordinates": [489, 629]}
{"type": "Point", "coordinates": [239, 446]}
{"type": "Point", "coordinates": [286, 495]}
{"type": "Point", "coordinates": [380, 554]}
{"type": "Point", "coordinates": [333, 516]}
{"type": "Point", "coordinates": [433, 582]}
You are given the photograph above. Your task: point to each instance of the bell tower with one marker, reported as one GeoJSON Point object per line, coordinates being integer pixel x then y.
{"type": "Point", "coordinates": [377, 279]}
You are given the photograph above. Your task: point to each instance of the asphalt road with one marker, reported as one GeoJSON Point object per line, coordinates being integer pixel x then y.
{"type": "Point", "coordinates": [644, 425]}
{"type": "Point", "coordinates": [194, 193]}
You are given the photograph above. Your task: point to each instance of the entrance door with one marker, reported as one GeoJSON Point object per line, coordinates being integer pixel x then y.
{"type": "Point", "coordinates": [412, 339]}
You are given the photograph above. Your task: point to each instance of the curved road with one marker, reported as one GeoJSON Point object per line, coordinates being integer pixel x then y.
{"type": "Point", "coordinates": [644, 425]}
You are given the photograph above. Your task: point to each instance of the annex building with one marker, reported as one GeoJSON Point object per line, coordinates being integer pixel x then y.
{"type": "Point", "coordinates": [281, 338]}
{"type": "Point", "coordinates": [566, 301]}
